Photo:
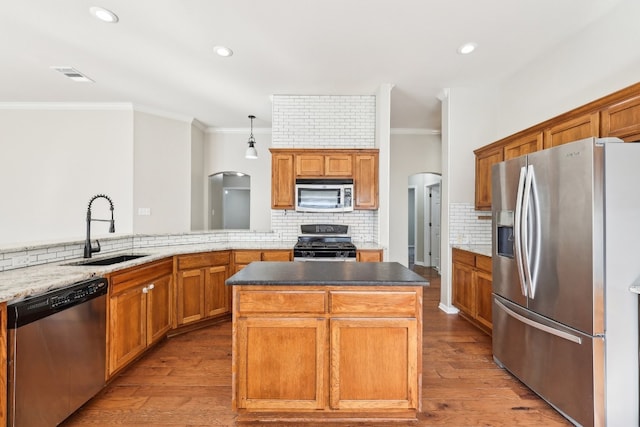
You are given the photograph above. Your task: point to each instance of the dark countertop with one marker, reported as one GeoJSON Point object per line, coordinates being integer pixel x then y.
{"type": "Point", "coordinates": [330, 273]}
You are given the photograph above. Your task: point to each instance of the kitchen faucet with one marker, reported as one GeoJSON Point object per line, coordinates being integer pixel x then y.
{"type": "Point", "coordinates": [88, 247]}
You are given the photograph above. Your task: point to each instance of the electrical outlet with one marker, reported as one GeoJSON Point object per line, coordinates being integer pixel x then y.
{"type": "Point", "coordinates": [20, 261]}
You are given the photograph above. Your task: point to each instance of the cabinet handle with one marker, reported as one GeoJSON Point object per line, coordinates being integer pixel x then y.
{"type": "Point", "coordinates": [152, 286]}
{"type": "Point", "coordinates": [145, 290]}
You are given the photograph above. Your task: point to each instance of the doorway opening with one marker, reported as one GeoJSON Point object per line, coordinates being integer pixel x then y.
{"type": "Point", "coordinates": [424, 210]}
{"type": "Point", "coordinates": [229, 201]}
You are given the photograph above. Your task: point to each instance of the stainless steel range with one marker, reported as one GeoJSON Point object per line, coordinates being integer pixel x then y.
{"type": "Point", "coordinates": [324, 242]}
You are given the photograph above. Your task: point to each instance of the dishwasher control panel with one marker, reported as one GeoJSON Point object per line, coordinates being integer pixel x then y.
{"type": "Point", "coordinates": [38, 306]}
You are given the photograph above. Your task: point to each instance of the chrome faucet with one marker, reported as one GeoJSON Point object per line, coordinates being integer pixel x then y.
{"type": "Point", "coordinates": [88, 247]}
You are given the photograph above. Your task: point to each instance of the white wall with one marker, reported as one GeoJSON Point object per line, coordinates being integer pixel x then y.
{"type": "Point", "coordinates": [162, 174]}
{"type": "Point", "coordinates": [601, 59]}
{"type": "Point", "coordinates": [410, 154]}
{"type": "Point", "coordinates": [198, 184]}
{"type": "Point", "coordinates": [54, 159]}
{"type": "Point", "coordinates": [224, 151]}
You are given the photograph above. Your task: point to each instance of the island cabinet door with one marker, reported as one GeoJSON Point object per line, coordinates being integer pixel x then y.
{"type": "Point", "coordinates": [374, 364]}
{"type": "Point", "coordinates": [282, 363]}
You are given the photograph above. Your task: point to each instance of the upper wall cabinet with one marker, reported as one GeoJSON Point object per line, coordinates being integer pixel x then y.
{"type": "Point", "coordinates": [580, 127]}
{"type": "Point", "coordinates": [359, 164]}
{"type": "Point", "coordinates": [485, 159]}
{"type": "Point", "coordinates": [615, 115]}
{"type": "Point", "coordinates": [522, 145]}
{"type": "Point", "coordinates": [622, 120]}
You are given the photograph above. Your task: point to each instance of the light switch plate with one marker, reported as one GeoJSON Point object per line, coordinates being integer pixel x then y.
{"type": "Point", "coordinates": [144, 211]}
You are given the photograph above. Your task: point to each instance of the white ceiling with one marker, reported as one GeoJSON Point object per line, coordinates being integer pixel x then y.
{"type": "Point", "coordinates": [159, 56]}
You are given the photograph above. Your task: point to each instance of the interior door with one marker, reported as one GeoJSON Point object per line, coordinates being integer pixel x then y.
{"type": "Point", "coordinates": [434, 222]}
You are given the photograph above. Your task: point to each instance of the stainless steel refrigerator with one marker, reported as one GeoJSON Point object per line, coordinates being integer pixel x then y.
{"type": "Point", "coordinates": [566, 248]}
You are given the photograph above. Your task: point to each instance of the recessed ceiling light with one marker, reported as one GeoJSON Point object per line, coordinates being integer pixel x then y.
{"type": "Point", "coordinates": [222, 51]}
{"type": "Point", "coordinates": [103, 14]}
{"type": "Point", "coordinates": [467, 48]}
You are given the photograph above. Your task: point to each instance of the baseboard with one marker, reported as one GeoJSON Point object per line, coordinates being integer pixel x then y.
{"type": "Point", "coordinates": [449, 309]}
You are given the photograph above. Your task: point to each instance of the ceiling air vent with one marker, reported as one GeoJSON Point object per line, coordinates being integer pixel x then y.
{"type": "Point", "coordinates": [73, 74]}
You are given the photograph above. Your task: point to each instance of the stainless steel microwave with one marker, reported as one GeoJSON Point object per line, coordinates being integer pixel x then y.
{"type": "Point", "coordinates": [324, 195]}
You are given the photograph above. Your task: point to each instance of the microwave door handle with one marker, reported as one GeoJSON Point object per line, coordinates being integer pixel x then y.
{"type": "Point", "coordinates": [518, 231]}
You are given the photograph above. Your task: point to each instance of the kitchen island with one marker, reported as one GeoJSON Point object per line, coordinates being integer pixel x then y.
{"type": "Point", "coordinates": [332, 341]}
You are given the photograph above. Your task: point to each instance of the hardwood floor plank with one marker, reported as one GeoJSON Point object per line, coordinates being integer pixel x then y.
{"type": "Point", "coordinates": [186, 381]}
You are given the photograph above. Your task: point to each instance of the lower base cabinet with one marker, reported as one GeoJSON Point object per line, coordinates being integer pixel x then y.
{"type": "Point", "coordinates": [201, 292]}
{"type": "Point", "coordinates": [367, 255]}
{"type": "Point", "coordinates": [337, 350]}
{"type": "Point", "coordinates": [242, 258]}
{"type": "Point", "coordinates": [139, 311]}
{"type": "Point", "coordinates": [472, 287]}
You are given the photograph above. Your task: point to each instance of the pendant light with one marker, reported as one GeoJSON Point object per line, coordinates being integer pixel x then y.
{"type": "Point", "coordinates": [251, 151]}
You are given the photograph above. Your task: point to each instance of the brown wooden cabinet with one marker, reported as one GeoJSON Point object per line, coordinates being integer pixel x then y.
{"type": "Point", "coordinates": [3, 363]}
{"type": "Point", "coordinates": [472, 285]}
{"type": "Point", "coordinates": [242, 258]}
{"type": "Point", "coordinates": [359, 164]}
{"type": "Point", "coordinates": [365, 181]}
{"type": "Point", "coordinates": [622, 120]}
{"type": "Point", "coordinates": [573, 129]}
{"type": "Point", "coordinates": [485, 159]}
{"type": "Point", "coordinates": [369, 255]}
{"type": "Point", "coordinates": [522, 145]}
{"type": "Point", "coordinates": [335, 349]}
{"type": "Point", "coordinates": [201, 292]}
{"type": "Point", "coordinates": [282, 181]}
{"type": "Point", "coordinates": [139, 311]}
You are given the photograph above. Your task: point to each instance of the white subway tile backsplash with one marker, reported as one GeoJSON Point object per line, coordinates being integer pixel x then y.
{"type": "Point", "coordinates": [466, 228]}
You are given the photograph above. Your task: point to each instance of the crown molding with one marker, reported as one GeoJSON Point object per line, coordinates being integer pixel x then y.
{"type": "Point", "coordinates": [162, 113]}
{"type": "Point", "coordinates": [257, 131]}
{"type": "Point", "coordinates": [415, 131]}
{"type": "Point", "coordinates": [66, 106]}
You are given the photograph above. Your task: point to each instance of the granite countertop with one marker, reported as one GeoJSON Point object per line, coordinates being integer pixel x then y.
{"type": "Point", "coordinates": [329, 273]}
{"type": "Point", "coordinates": [476, 249]}
{"type": "Point", "coordinates": [19, 283]}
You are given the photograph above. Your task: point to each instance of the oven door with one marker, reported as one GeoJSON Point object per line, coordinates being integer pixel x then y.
{"type": "Point", "coordinates": [334, 259]}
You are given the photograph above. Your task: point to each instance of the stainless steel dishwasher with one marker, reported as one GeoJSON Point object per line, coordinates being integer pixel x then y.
{"type": "Point", "coordinates": [56, 353]}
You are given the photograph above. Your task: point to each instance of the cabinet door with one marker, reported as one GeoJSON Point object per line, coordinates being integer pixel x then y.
{"type": "Point", "coordinates": [281, 363]}
{"type": "Point", "coordinates": [338, 165]}
{"type": "Point", "coordinates": [282, 181]}
{"type": "Point", "coordinates": [365, 181]}
{"type": "Point", "coordinates": [216, 293]}
{"type": "Point", "coordinates": [523, 145]}
{"type": "Point", "coordinates": [622, 120]}
{"type": "Point", "coordinates": [463, 289]}
{"type": "Point", "coordinates": [127, 327]}
{"type": "Point", "coordinates": [572, 130]}
{"type": "Point", "coordinates": [190, 296]}
{"type": "Point", "coordinates": [158, 308]}
{"type": "Point", "coordinates": [309, 165]}
{"type": "Point", "coordinates": [484, 161]}
{"type": "Point", "coordinates": [374, 363]}
{"type": "Point", "coordinates": [483, 298]}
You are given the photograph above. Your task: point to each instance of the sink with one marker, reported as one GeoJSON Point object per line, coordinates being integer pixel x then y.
{"type": "Point", "coordinates": [109, 261]}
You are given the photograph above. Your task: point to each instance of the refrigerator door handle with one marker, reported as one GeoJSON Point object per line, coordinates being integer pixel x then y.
{"type": "Point", "coordinates": [548, 329]}
{"type": "Point", "coordinates": [518, 231]}
{"type": "Point", "coordinates": [529, 224]}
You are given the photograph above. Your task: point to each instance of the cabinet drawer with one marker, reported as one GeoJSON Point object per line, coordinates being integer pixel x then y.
{"type": "Point", "coordinates": [203, 260]}
{"type": "Point", "coordinates": [245, 257]}
{"type": "Point", "coordinates": [464, 257]}
{"type": "Point", "coordinates": [135, 276]}
{"type": "Point", "coordinates": [378, 303]}
{"type": "Point", "coordinates": [281, 302]}
{"type": "Point", "coordinates": [276, 256]}
{"type": "Point", "coordinates": [483, 263]}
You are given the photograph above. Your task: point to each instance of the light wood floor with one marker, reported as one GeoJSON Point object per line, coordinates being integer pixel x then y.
{"type": "Point", "coordinates": [186, 381]}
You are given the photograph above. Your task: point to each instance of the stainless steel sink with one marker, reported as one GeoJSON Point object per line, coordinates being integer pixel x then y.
{"type": "Point", "coordinates": [110, 260]}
